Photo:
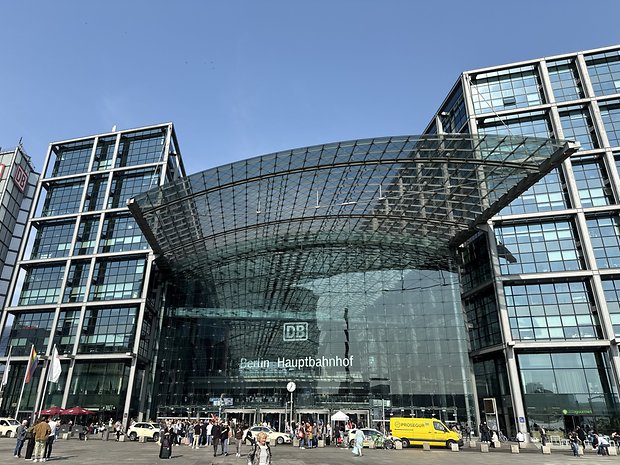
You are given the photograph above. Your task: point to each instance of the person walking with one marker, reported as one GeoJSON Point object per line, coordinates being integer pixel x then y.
{"type": "Point", "coordinates": [216, 430]}
{"type": "Point", "coordinates": [261, 452]}
{"type": "Point", "coordinates": [359, 443]}
{"type": "Point", "coordinates": [21, 437]}
{"type": "Point", "coordinates": [238, 439]}
{"type": "Point", "coordinates": [225, 434]}
{"type": "Point", "coordinates": [50, 439]}
{"type": "Point", "coordinates": [41, 432]}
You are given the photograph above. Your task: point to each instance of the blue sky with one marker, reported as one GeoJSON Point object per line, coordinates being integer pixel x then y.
{"type": "Point", "coordinates": [245, 78]}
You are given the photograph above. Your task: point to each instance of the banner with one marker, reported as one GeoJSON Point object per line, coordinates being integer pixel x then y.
{"type": "Point", "coordinates": [33, 361]}
{"type": "Point", "coordinates": [55, 368]}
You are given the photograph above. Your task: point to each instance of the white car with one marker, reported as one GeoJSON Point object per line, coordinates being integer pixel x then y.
{"type": "Point", "coordinates": [8, 427]}
{"type": "Point", "coordinates": [273, 436]}
{"type": "Point", "coordinates": [148, 430]}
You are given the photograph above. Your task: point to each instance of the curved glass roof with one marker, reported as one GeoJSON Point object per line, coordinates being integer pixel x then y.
{"type": "Point", "coordinates": [356, 205]}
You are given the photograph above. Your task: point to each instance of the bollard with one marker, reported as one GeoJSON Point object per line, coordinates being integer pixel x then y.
{"type": "Point", "coordinates": [514, 448]}
{"type": "Point", "coordinates": [398, 445]}
{"type": "Point", "coordinates": [472, 443]}
{"type": "Point", "coordinates": [454, 446]}
{"type": "Point", "coordinates": [321, 443]}
{"type": "Point", "coordinates": [497, 444]}
{"type": "Point", "coordinates": [546, 449]}
{"type": "Point", "coordinates": [371, 444]}
{"type": "Point", "coordinates": [66, 436]}
{"type": "Point", "coordinates": [522, 445]}
{"type": "Point", "coordinates": [142, 439]}
{"type": "Point", "coordinates": [121, 438]}
{"type": "Point", "coordinates": [484, 447]}
{"type": "Point", "coordinates": [426, 446]}
{"type": "Point", "coordinates": [612, 450]}
{"type": "Point", "coordinates": [296, 442]}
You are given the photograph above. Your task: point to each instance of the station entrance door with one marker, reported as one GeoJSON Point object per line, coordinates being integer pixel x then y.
{"type": "Point", "coordinates": [318, 416]}
{"type": "Point", "coordinates": [358, 417]}
{"type": "Point", "coordinates": [241, 415]}
{"type": "Point", "coordinates": [274, 417]}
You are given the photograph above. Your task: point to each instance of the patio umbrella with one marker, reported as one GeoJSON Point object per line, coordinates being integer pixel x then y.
{"type": "Point", "coordinates": [52, 411]}
{"type": "Point", "coordinates": [77, 411]}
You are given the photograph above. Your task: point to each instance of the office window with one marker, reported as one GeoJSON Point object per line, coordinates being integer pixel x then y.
{"type": "Point", "coordinates": [141, 147]}
{"type": "Point", "coordinates": [528, 124]}
{"type": "Point", "coordinates": [117, 279]}
{"type": "Point", "coordinates": [66, 330]}
{"type": "Point", "coordinates": [610, 114]}
{"type": "Point", "coordinates": [592, 183]}
{"type": "Point", "coordinates": [108, 330]}
{"type": "Point", "coordinates": [605, 238]}
{"type": "Point", "coordinates": [77, 282]}
{"type": "Point", "coordinates": [539, 248]}
{"type": "Point", "coordinates": [565, 81]}
{"type": "Point", "coordinates": [30, 328]}
{"type": "Point", "coordinates": [551, 311]}
{"type": "Point", "coordinates": [612, 298]}
{"type": "Point", "coordinates": [121, 233]}
{"type": "Point", "coordinates": [95, 193]}
{"type": "Point", "coordinates": [505, 89]}
{"type": "Point", "coordinates": [62, 197]}
{"type": "Point", "coordinates": [71, 158]}
{"type": "Point", "coordinates": [604, 70]}
{"type": "Point", "coordinates": [53, 239]}
{"type": "Point", "coordinates": [104, 153]}
{"type": "Point", "coordinates": [42, 285]}
{"type": "Point", "coordinates": [87, 235]}
{"type": "Point", "coordinates": [547, 194]}
{"type": "Point", "coordinates": [577, 125]}
{"type": "Point", "coordinates": [127, 184]}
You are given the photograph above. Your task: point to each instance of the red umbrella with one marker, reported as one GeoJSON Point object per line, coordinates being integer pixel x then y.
{"type": "Point", "coordinates": [77, 411]}
{"type": "Point", "coordinates": [52, 411]}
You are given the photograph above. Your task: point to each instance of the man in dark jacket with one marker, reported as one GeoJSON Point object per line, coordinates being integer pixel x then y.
{"type": "Point", "coordinates": [224, 436]}
{"type": "Point", "coordinates": [21, 437]}
{"type": "Point", "coordinates": [216, 431]}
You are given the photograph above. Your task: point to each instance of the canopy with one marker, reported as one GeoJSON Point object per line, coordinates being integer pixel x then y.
{"type": "Point", "coordinates": [340, 416]}
{"type": "Point", "coordinates": [52, 411]}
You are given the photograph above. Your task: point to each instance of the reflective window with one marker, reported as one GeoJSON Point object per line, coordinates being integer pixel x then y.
{"type": "Point", "coordinates": [62, 198]}
{"type": "Point", "coordinates": [108, 330]}
{"type": "Point", "coordinates": [527, 124]}
{"type": "Point", "coordinates": [127, 184]}
{"type": "Point", "coordinates": [483, 321]}
{"type": "Point", "coordinates": [66, 330]}
{"type": "Point", "coordinates": [71, 158]}
{"type": "Point", "coordinates": [565, 81]}
{"type": "Point", "coordinates": [547, 194]}
{"type": "Point", "coordinates": [96, 384]}
{"type": "Point", "coordinates": [121, 233]}
{"type": "Point", "coordinates": [551, 311]}
{"type": "Point", "coordinates": [42, 285]}
{"type": "Point", "coordinates": [104, 153]}
{"type": "Point", "coordinates": [567, 382]}
{"type": "Point", "coordinates": [53, 239]}
{"type": "Point", "coordinates": [141, 147]}
{"type": "Point", "coordinates": [604, 70]}
{"type": "Point", "coordinates": [117, 279]}
{"type": "Point", "coordinates": [505, 89]}
{"type": "Point", "coordinates": [87, 235]}
{"type": "Point", "coordinates": [95, 193]}
{"type": "Point", "coordinates": [610, 115]}
{"type": "Point", "coordinates": [612, 297]}
{"type": "Point", "coordinates": [592, 183]}
{"type": "Point", "coordinates": [28, 329]}
{"type": "Point", "coordinates": [77, 282]}
{"type": "Point", "coordinates": [539, 248]}
{"type": "Point", "coordinates": [577, 125]}
{"type": "Point", "coordinates": [605, 238]}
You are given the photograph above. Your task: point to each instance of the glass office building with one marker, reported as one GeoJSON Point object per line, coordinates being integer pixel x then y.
{"type": "Point", "coordinates": [541, 285]}
{"type": "Point", "coordinates": [469, 274]}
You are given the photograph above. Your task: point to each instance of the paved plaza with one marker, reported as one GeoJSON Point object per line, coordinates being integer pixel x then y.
{"type": "Point", "coordinates": [98, 452]}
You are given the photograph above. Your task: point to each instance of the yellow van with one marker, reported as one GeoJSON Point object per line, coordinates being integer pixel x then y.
{"type": "Point", "coordinates": [417, 431]}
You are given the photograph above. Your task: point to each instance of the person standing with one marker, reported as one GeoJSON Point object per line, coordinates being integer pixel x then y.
{"type": "Point", "coordinates": [238, 439]}
{"type": "Point", "coordinates": [41, 432]}
{"type": "Point", "coordinates": [21, 437]}
{"type": "Point", "coordinates": [543, 436]}
{"type": "Point", "coordinates": [216, 430]}
{"type": "Point", "coordinates": [197, 433]}
{"type": "Point", "coordinates": [225, 437]}
{"type": "Point", "coordinates": [50, 439]}
{"type": "Point", "coordinates": [261, 452]}
{"type": "Point", "coordinates": [209, 432]}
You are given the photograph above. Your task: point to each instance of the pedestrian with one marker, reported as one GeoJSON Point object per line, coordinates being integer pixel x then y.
{"type": "Point", "coordinates": [50, 439]}
{"type": "Point", "coordinates": [574, 443]}
{"type": "Point", "coordinates": [238, 439]}
{"type": "Point", "coordinates": [165, 450]}
{"type": "Point", "coordinates": [485, 433]}
{"type": "Point", "coordinates": [225, 434]}
{"type": "Point", "coordinates": [216, 430]}
{"type": "Point", "coordinates": [197, 433]}
{"type": "Point", "coordinates": [21, 437]}
{"type": "Point", "coordinates": [41, 432]}
{"type": "Point", "coordinates": [359, 443]}
{"type": "Point", "coordinates": [543, 435]}
{"type": "Point", "coordinates": [31, 442]}
{"type": "Point", "coordinates": [261, 452]}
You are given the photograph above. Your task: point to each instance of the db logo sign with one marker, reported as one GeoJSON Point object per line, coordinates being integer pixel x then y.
{"type": "Point", "coordinates": [295, 331]}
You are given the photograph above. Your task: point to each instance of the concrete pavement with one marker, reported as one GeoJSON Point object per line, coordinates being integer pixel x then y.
{"type": "Point", "coordinates": [98, 452]}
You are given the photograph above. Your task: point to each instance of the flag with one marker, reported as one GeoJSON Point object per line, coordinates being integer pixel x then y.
{"type": "Point", "coordinates": [33, 361]}
{"type": "Point", "coordinates": [5, 376]}
{"type": "Point", "coordinates": [55, 369]}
